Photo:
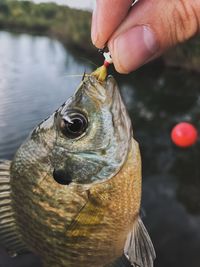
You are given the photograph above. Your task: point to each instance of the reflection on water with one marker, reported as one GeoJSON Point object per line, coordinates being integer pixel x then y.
{"type": "Point", "coordinates": [35, 78]}
{"type": "Point", "coordinates": [34, 82]}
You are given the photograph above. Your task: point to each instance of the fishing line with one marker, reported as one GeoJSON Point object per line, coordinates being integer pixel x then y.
{"type": "Point", "coordinates": [89, 61]}
{"type": "Point", "coordinates": [73, 75]}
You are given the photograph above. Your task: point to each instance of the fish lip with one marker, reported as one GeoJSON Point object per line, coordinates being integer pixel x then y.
{"type": "Point", "coordinates": [105, 95]}
{"type": "Point", "coordinates": [94, 81]}
{"type": "Point", "coordinates": [110, 78]}
{"type": "Point", "coordinates": [100, 92]}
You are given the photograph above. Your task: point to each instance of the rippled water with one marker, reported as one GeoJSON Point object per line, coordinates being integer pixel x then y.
{"type": "Point", "coordinates": [36, 77]}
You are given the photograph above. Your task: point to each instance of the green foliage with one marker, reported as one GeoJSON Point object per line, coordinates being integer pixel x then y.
{"type": "Point", "coordinates": [71, 26]}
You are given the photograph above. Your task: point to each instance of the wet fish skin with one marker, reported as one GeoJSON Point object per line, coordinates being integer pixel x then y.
{"type": "Point", "coordinates": [86, 221]}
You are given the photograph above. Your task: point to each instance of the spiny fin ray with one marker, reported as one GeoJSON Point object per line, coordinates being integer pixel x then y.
{"type": "Point", "coordinates": [9, 236]}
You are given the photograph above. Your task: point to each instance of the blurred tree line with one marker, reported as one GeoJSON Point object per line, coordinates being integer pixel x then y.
{"type": "Point", "coordinates": [71, 26]}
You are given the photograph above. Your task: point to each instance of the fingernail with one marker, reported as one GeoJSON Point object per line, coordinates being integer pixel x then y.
{"type": "Point", "coordinates": [133, 48]}
{"type": "Point", "coordinates": [94, 27]}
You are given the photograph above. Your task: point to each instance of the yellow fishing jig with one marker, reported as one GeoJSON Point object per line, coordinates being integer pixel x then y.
{"type": "Point", "coordinates": [101, 72]}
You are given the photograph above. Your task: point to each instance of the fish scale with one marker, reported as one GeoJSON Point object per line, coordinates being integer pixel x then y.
{"type": "Point", "coordinates": [105, 218]}
{"type": "Point", "coordinates": [72, 194]}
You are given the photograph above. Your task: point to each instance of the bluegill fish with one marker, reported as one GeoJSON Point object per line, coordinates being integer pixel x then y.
{"type": "Point", "coordinates": [72, 192]}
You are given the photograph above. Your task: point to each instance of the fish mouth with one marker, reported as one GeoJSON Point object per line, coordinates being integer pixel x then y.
{"type": "Point", "coordinates": [100, 152]}
{"type": "Point", "coordinates": [101, 92]}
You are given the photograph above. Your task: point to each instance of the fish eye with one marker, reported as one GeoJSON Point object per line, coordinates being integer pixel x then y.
{"type": "Point", "coordinates": [73, 124]}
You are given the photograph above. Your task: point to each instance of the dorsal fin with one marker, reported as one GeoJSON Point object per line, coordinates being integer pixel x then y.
{"type": "Point", "coordinates": [9, 237]}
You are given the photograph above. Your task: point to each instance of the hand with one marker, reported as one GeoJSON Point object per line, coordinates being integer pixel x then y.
{"type": "Point", "coordinates": [141, 33]}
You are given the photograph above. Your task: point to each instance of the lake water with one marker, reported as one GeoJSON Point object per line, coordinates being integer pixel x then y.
{"type": "Point", "coordinates": [37, 76]}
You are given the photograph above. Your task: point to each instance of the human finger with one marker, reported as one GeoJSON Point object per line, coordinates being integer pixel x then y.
{"type": "Point", "coordinates": [151, 27]}
{"type": "Point", "coordinates": [107, 16]}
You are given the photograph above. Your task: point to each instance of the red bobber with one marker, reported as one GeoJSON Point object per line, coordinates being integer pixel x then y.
{"type": "Point", "coordinates": [184, 134]}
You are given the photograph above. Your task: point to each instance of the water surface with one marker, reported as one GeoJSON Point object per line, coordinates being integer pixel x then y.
{"type": "Point", "coordinates": [36, 78]}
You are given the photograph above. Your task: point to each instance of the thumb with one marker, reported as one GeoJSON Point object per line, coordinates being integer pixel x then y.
{"type": "Point", "coordinates": [151, 27]}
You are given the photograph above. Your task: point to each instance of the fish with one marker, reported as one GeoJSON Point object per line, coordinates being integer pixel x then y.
{"type": "Point", "coordinates": [72, 193]}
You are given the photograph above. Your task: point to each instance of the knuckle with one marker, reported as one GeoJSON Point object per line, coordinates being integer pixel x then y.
{"type": "Point", "coordinates": [185, 20]}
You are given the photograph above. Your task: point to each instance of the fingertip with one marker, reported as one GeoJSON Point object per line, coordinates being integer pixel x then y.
{"type": "Point", "coordinates": [97, 40]}
{"type": "Point", "coordinates": [116, 58]}
{"type": "Point", "coordinates": [106, 17]}
{"type": "Point", "coordinates": [94, 28]}
{"type": "Point", "coordinates": [133, 48]}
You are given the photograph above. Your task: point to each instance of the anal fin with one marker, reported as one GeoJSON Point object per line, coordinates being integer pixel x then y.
{"type": "Point", "coordinates": [139, 249]}
{"type": "Point", "coordinates": [9, 237]}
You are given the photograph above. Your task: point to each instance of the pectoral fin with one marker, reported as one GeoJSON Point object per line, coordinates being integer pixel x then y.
{"type": "Point", "coordinates": [139, 249]}
{"type": "Point", "coordinates": [10, 239]}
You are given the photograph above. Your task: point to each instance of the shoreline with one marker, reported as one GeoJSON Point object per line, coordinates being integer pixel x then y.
{"type": "Point", "coordinates": [61, 23]}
